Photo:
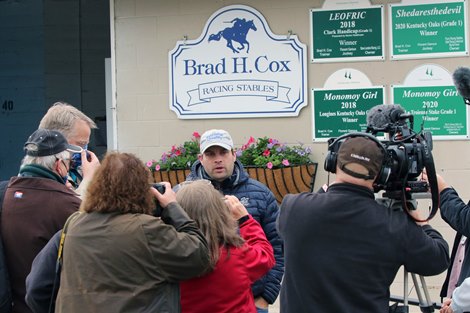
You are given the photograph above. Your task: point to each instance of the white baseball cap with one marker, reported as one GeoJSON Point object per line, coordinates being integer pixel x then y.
{"type": "Point", "coordinates": [216, 137]}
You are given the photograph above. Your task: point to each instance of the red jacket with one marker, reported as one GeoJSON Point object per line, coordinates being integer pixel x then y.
{"type": "Point", "coordinates": [228, 287]}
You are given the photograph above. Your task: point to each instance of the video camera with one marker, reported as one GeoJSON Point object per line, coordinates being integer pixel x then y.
{"type": "Point", "coordinates": [407, 154]}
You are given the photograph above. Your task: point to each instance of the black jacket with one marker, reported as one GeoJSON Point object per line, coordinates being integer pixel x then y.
{"type": "Point", "coordinates": [457, 214]}
{"type": "Point", "coordinates": [343, 250]}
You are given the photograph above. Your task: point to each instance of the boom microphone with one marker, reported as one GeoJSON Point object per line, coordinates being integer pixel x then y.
{"type": "Point", "coordinates": [461, 79]}
{"type": "Point", "coordinates": [380, 116]}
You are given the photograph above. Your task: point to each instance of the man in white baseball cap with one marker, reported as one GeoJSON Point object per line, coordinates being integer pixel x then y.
{"type": "Point", "coordinates": [216, 137]}
{"type": "Point", "coordinates": [218, 163]}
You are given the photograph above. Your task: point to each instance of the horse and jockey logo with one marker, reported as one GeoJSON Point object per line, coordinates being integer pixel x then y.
{"type": "Point", "coordinates": [236, 33]}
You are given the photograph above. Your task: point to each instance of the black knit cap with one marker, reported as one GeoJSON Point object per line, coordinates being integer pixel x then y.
{"type": "Point", "coordinates": [44, 142]}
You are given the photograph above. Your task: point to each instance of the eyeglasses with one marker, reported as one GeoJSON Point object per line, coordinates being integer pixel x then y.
{"type": "Point", "coordinates": [62, 159]}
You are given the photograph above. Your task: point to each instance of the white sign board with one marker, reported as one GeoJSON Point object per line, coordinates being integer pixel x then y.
{"type": "Point", "coordinates": [238, 68]}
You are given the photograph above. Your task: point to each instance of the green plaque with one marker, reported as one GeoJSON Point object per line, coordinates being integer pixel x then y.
{"type": "Point", "coordinates": [341, 111]}
{"type": "Point", "coordinates": [428, 30]}
{"type": "Point", "coordinates": [439, 109]}
{"type": "Point", "coordinates": [347, 35]}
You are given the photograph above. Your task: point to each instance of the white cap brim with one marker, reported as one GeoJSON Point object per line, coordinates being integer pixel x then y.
{"type": "Point", "coordinates": [223, 145]}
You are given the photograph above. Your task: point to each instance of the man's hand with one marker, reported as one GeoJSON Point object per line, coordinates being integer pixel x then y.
{"type": "Point", "coordinates": [441, 183]}
{"type": "Point", "coordinates": [446, 306]}
{"type": "Point", "coordinates": [261, 303]}
{"type": "Point", "coordinates": [89, 167]}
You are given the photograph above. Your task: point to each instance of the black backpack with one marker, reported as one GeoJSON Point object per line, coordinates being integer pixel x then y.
{"type": "Point", "coordinates": [5, 291]}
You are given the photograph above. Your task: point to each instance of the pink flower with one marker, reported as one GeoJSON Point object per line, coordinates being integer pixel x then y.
{"type": "Point", "coordinates": [149, 163]}
{"type": "Point", "coordinates": [269, 165]}
{"type": "Point", "coordinates": [266, 152]}
{"type": "Point", "coordinates": [285, 162]}
{"type": "Point", "coordinates": [196, 135]}
{"type": "Point", "coordinates": [250, 141]}
{"type": "Point", "coordinates": [157, 167]}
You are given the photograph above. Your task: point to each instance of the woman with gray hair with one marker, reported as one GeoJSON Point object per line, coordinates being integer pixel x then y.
{"type": "Point", "coordinates": [239, 252]}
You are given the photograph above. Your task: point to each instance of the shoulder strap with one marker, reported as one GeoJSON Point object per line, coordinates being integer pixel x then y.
{"type": "Point", "coordinates": [62, 236]}
{"type": "Point", "coordinates": [58, 265]}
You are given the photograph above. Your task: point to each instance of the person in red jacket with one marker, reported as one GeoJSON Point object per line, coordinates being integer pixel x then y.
{"type": "Point", "coordinates": [238, 257]}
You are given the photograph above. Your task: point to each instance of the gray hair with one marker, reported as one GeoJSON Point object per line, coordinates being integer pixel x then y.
{"type": "Point", "coordinates": [62, 116]}
{"type": "Point", "coordinates": [45, 161]}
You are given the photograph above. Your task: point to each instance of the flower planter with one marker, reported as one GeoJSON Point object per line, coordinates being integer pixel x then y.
{"type": "Point", "coordinates": [175, 176]}
{"type": "Point", "coordinates": [281, 181]}
{"type": "Point", "coordinates": [261, 153]}
{"type": "Point", "coordinates": [291, 179]}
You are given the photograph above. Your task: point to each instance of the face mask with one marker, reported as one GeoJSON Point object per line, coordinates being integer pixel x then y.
{"type": "Point", "coordinates": [66, 177]}
{"type": "Point", "coordinates": [76, 159]}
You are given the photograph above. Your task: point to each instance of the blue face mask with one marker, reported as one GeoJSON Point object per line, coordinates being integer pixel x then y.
{"type": "Point", "coordinates": [76, 159]}
{"type": "Point", "coordinates": [66, 177]}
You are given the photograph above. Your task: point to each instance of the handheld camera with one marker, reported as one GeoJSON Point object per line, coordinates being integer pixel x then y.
{"type": "Point", "coordinates": [157, 211]}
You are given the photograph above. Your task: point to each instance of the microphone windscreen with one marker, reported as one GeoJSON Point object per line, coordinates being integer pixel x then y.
{"type": "Point", "coordinates": [378, 116]}
{"type": "Point", "coordinates": [461, 79]}
{"type": "Point", "coordinates": [381, 115]}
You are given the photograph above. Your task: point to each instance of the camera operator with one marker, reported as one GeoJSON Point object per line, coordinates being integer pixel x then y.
{"type": "Point", "coordinates": [343, 249]}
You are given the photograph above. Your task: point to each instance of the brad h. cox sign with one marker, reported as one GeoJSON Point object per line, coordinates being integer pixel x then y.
{"type": "Point", "coordinates": [238, 68]}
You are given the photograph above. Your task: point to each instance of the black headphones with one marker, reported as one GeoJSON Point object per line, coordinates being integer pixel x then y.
{"type": "Point", "coordinates": [332, 155]}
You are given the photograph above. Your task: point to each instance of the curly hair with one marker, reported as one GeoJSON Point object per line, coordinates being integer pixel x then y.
{"type": "Point", "coordinates": [207, 207]}
{"type": "Point", "coordinates": [121, 184]}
